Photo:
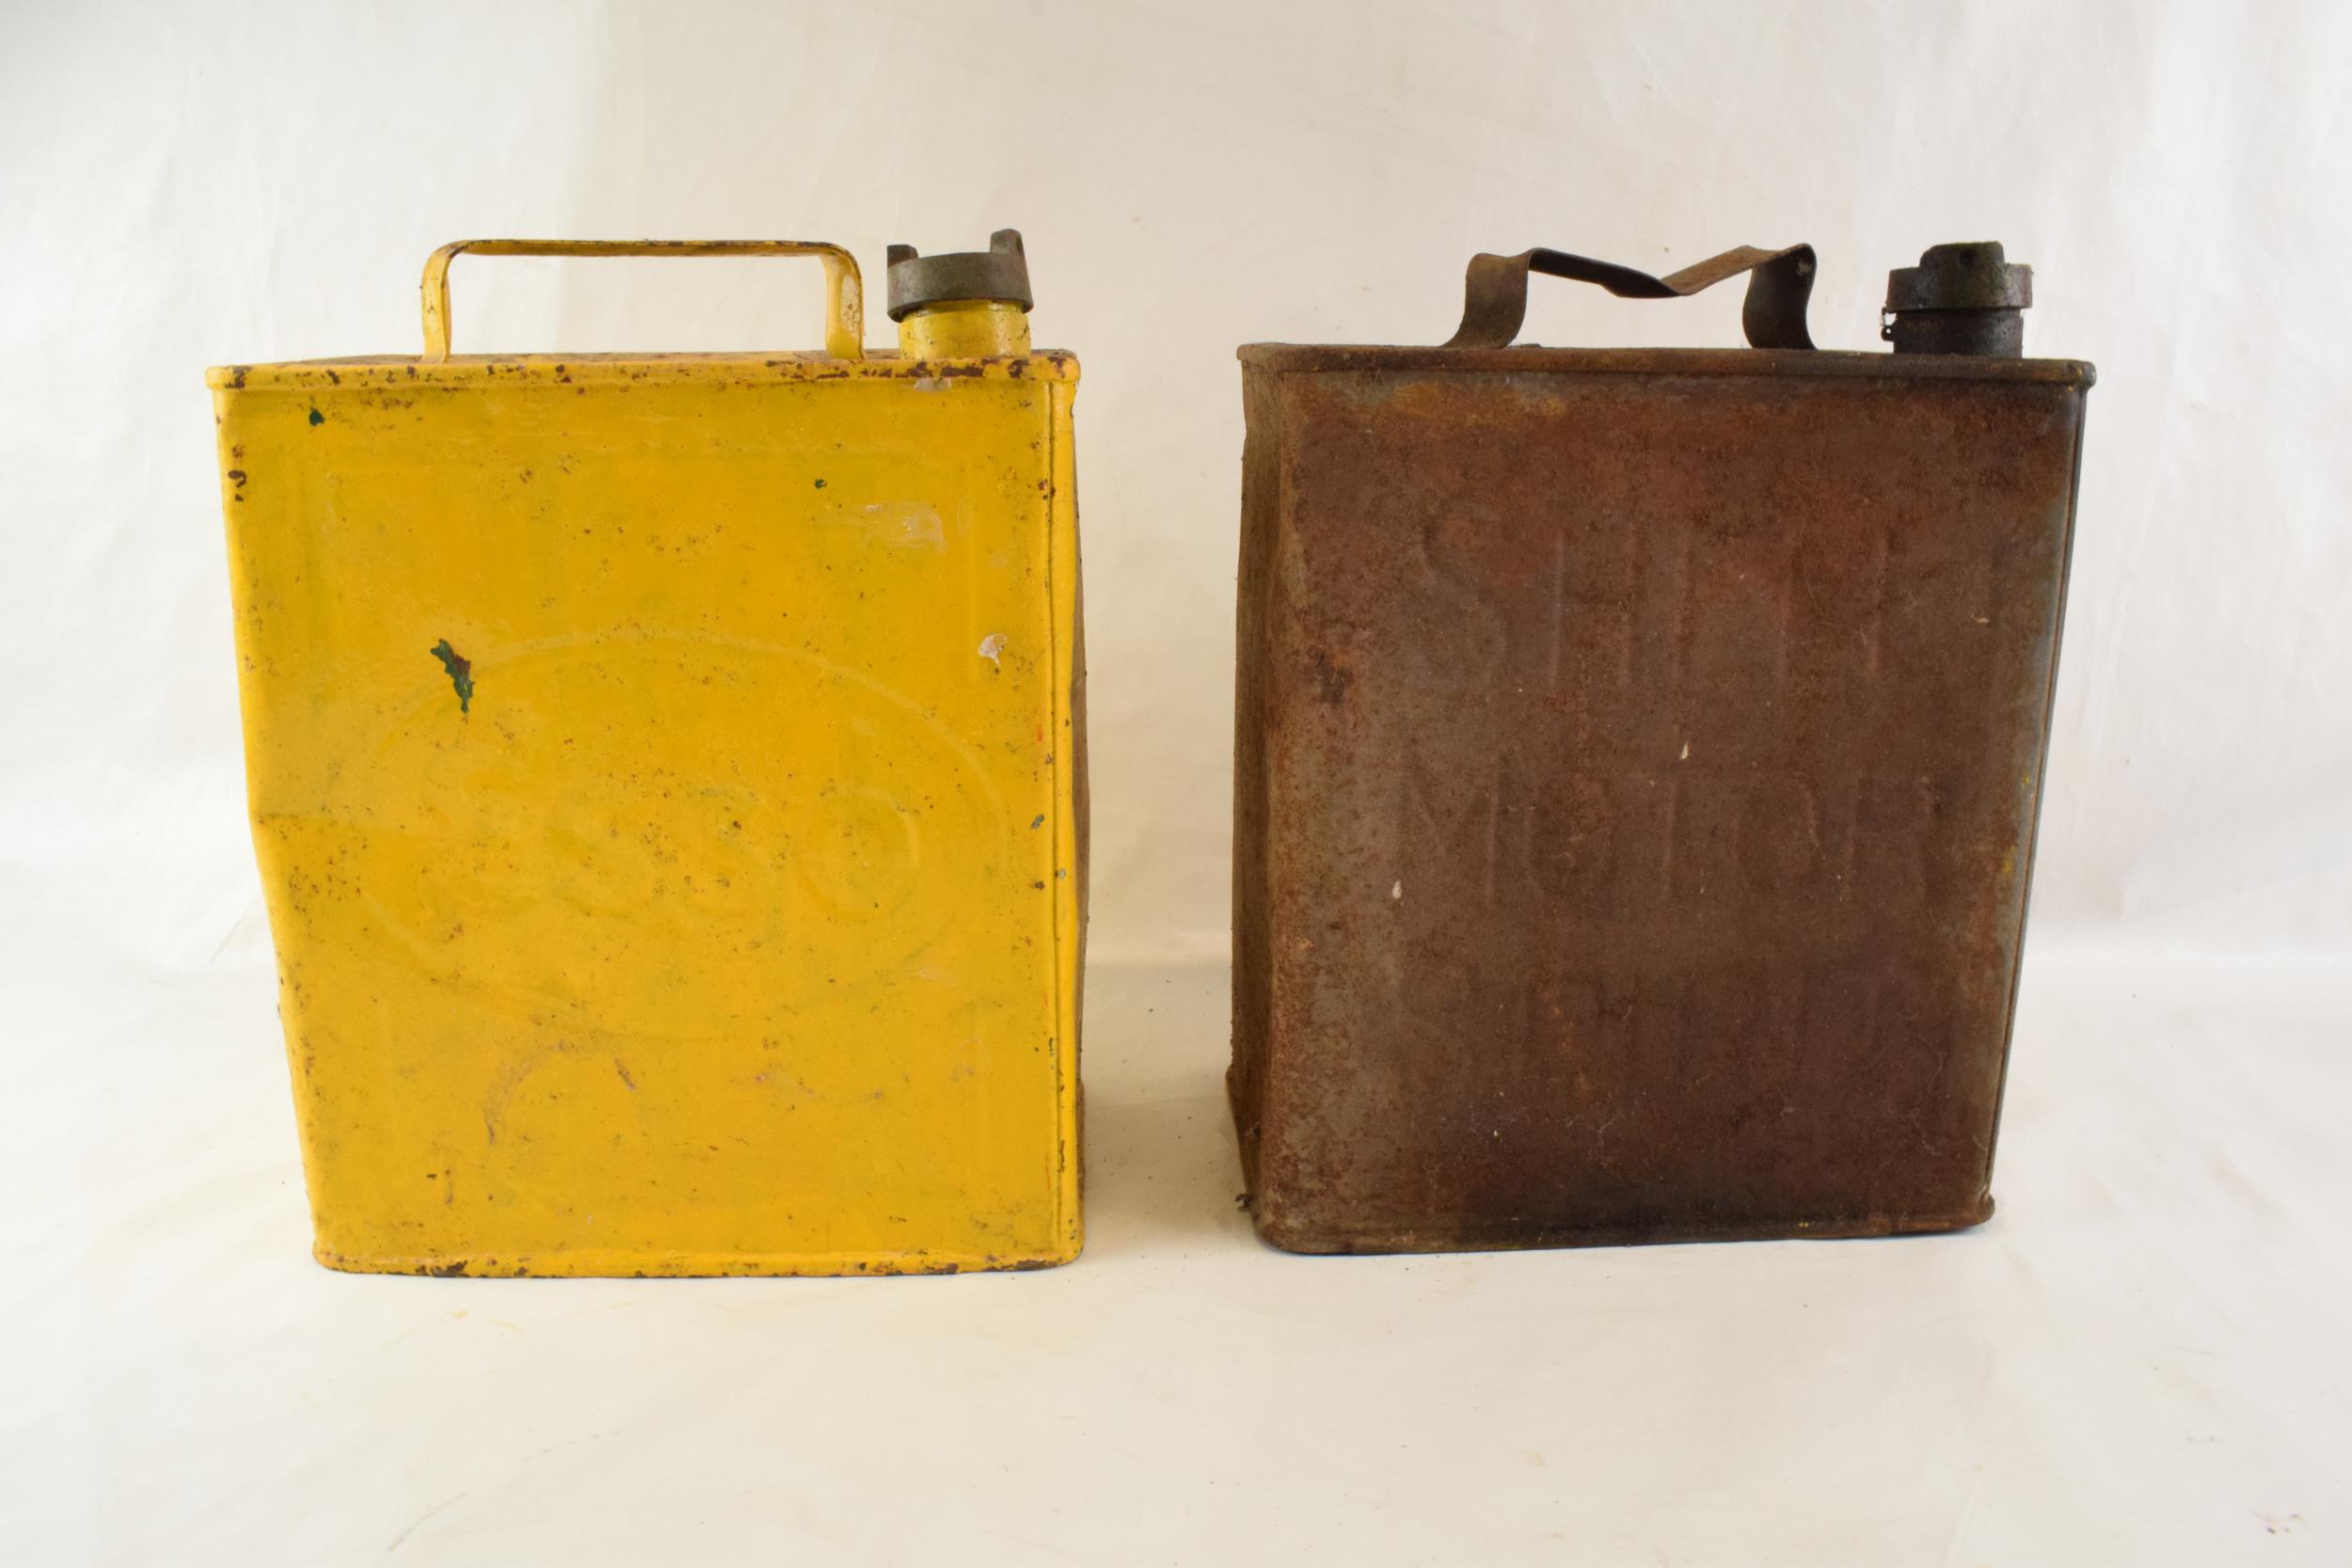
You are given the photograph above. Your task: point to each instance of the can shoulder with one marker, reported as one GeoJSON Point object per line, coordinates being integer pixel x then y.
{"type": "Point", "coordinates": [1536, 360]}
{"type": "Point", "coordinates": [478, 370]}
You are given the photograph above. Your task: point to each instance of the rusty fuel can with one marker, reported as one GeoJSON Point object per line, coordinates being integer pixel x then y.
{"type": "Point", "coordinates": [666, 772]}
{"type": "Point", "coordinates": [1638, 761]}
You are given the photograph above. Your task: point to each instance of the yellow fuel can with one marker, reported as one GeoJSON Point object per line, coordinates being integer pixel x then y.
{"type": "Point", "coordinates": [667, 777]}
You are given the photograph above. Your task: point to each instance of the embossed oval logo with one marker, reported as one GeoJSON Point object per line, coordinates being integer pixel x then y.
{"type": "Point", "coordinates": [668, 835]}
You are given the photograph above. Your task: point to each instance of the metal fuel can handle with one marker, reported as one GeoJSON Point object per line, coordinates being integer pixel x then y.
{"type": "Point", "coordinates": [1779, 283]}
{"type": "Point", "coordinates": [845, 291]}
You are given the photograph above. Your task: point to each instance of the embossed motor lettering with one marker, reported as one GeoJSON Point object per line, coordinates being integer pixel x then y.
{"type": "Point", "coordinates": [1643, 838]}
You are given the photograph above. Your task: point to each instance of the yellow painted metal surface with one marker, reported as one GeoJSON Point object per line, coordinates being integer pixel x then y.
{"type": "Point", "coordinates": [666, 777]}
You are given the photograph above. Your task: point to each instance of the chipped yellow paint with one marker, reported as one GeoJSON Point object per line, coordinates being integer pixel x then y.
{"type": "Point", "coordinates": [664, 880]}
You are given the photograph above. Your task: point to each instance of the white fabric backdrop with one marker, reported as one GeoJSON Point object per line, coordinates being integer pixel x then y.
{"type": "Point", "coordinates": [188, 186]}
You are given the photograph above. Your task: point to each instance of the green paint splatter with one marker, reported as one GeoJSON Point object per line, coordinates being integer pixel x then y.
{"type": "Point", "coordinates": [317, 418]}
{"type": "Point", "coordinates": [460, 670]}
{"type": "Point", "coordinates": [820, 484]}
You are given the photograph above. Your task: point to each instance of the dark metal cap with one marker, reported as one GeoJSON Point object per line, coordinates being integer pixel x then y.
{"type": "Point", "coordinates": [1960, 299]}
{"type": "Point", "coordinates": [1000, 272]}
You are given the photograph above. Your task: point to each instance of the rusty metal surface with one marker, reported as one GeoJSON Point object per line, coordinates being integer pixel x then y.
{"type": "Point", "coordinates": [1638, 756]}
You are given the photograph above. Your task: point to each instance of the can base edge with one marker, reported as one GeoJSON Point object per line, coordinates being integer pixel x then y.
{"type": "Point", "coordinates": [1290, 1235]}
{"type": "Point", "coordinates": [688, 1265]}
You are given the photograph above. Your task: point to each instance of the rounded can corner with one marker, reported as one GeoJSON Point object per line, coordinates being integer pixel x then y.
{"type": "Point", "coordinates": [1289, 1233]}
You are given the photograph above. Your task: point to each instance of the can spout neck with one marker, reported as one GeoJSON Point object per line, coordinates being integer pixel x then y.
{"type": "Point", "coordinates": [965, 329]}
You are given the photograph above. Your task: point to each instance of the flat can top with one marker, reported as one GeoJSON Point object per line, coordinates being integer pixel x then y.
{"type": "Point", "coordinates": [1535, 359]}
{"type": "Point", "coordinates": [509, 370]}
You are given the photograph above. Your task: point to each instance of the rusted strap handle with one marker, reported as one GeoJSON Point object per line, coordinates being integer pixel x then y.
{"type": "Point", "coordinates": [845, 292]}
{"type": "Point", "coordinates": [1779, 283]}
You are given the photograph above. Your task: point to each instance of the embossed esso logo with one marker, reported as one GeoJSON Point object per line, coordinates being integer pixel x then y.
{"type": "Point", "coordinates": [630, 827]}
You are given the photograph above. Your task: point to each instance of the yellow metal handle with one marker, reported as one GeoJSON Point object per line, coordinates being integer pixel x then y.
{"type": "Point", "coordinates": [845, 289]}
